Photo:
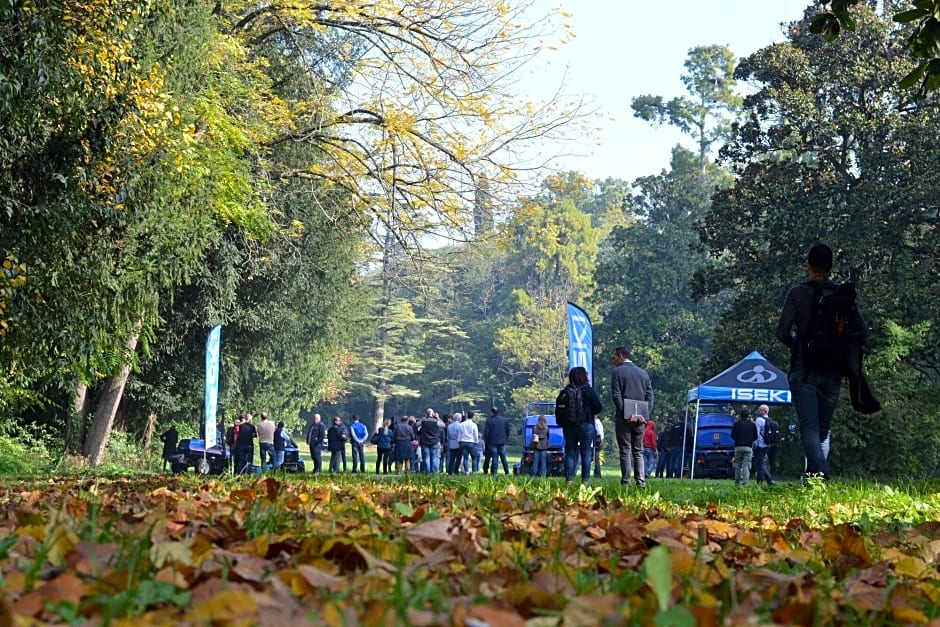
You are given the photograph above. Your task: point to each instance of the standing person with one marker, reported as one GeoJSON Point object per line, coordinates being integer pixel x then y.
{"type": "Point", "coordinates": [760, 469]}
{"type": "Point", "coordinates": [315, 441]}
{"type": "Point", "coordinates": [403, 435]}
{"type": "Point", "coordinates": [744, 434]}
{"type": "Point", "coordinates": [281, 439]}
{"type": "Point", "coordinates": [629, 382]}
{"type": "Point", "coordinates": [495, 437]}
{"type": "Point", "coordinates": [469, 437]}
{"type": "Point", "coordinates": [579, 438]}
{"type": "Point", "coordinates": [598, 445]}
{"type": "Point", "coordinates": [383, 446]}
{"type": "Point", "coordinates": [453, 443]}
{"type": "Point", "coordinates": [336, 443]}
{"type": "Point", "coordinates": [429, 438]}
{"type": "Point", "coordinates": [245, 445]}
{"type": "Point", "coordinates": [815, 391]}
{"type": "Point", "coordinates": [170, 439]}
{"type": "Point", "coordinates": [664, 442]}
{"type": "Point", "coordinates": [649, 448]}
{"type": "Point", "coordinates": [539, 446]}
{"type": "Point", "coordinates": [359, 433]}
{"type": "Point", "coordinates": [677, 454]}
{"type": "Point", "coordinates": [266, 441]}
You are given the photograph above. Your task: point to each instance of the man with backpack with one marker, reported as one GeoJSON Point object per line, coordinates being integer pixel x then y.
{"type": "Point", "coordinates": [768, 434]}
{"type": "Point", "coordinates": [825, 332]}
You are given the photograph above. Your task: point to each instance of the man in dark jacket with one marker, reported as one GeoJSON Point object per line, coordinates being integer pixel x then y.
{"type": "Point", "coordinates": [495, 436]}
{"type": "Point", "coordinates": [315, 441]}
{"type": "Point", "coordinates": [744, 434]}
{"type": "Point", "coordinates": [430, 433]}
{"type": "Point", "coordinates": [169, 438]}
{"type": "Point", "coordinates": [245, 445]}
{"type": "Point", "coordinates": [336, 438]}
{"type": "Point", "coordinates": [814, 393]}
{"type": "Point", "coordinates": [632, 394]}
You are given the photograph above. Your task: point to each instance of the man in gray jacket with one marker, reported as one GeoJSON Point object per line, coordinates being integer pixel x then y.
{"type": "Point", "coordinates": [632, 394]}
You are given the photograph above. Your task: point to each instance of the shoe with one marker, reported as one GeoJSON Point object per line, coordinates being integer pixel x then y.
{"type": "Point", "coordinates": [641, 484]}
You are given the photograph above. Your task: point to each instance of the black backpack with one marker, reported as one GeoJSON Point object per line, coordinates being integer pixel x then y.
{"type": "Point", "coordinates": [569, 407]}
{"type": "Point", "coordinates": [834, 334]}
{"type": "Point", "coordinates": [771, 431]}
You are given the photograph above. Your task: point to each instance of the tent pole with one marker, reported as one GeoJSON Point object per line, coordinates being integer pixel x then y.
{"type": "Point", "coordinates": [698, 405]}
{"type": "Point", "coordinates": [685, 429]}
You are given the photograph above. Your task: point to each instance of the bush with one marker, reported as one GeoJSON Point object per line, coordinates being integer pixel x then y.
{"type": "Point", "coordinates": [28, 451]}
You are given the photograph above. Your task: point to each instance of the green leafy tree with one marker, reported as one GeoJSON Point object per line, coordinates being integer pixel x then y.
{"type": "Point", "coordinates": [834, 150]}
{"type": "Point", "coordinates": [710, 108]}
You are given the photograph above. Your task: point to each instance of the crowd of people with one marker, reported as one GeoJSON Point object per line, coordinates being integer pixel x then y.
{"type": "Point", "coordinates": [454, 444]}
{"type": "Point", "coordinates": [435, 443]}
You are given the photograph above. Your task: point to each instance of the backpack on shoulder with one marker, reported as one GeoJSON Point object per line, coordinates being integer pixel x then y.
{"type": "Point", "coordinates": [833, 342]}
{"type": "Point", "coordinates": [771, 431]}
{"type": "Point", "coordinates": [569, 407]}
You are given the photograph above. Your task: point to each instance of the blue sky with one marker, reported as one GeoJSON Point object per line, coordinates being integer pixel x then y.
{"type": "Point", "coordinates": [626, 48]}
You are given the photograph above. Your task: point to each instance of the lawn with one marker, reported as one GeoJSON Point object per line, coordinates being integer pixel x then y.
{"type": "Point", "coordinates": [416, 550]}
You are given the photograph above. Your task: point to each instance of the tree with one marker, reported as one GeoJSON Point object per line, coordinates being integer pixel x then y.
{"type": "Point", "coordinates": [711, 107]}
{"type": "Point", "coordinates": [643, 275]}
{"type": "Point", "coordinates": [923, 41]}
{"type": "Point", "coordinates": [833, 149]}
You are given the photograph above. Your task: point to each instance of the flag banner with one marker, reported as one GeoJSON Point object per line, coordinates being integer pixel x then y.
{"type": "Point", "coordinates": [212, 384]}
{"type": "Point", "coordinates": [580, 340]}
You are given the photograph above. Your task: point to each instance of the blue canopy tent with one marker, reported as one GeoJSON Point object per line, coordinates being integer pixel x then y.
{"type": "Point", "coordinates": [751, 380]}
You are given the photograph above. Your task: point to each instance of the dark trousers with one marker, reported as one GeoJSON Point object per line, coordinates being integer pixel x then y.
{"type": "Point", "coordinates": [496, 454]}
{"type": "Point", "coordinates": [243, 459]}
{"type": "Point", "coordinates": [316, 455]}
{"type": "Point", "coordinates": [663, 462]}
{"type": "Point", "coordinates": [335, 457]}
{"type": "Point", "coordinates": [453, 461]}
{"type": "Point", "coordinates": [383, 460]}
{"type": "Point", "coordinates": [358, 453]}
{"type": "Point", "coordinates": [630, 443]}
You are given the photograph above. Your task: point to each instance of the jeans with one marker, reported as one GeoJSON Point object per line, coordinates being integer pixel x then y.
{"type": "Point", "coordinates": [674, 468]}
{"type": "Point", "coordinates": [814, 397]}
{"type": "Point", "coordinates": [267, 454]}
{"type": "Point", "coordinates": [630, 443]}
{"type": "Point", "coordinates": [453, 460]}
{"type": "Point", "coordinates": [649, 460]}
{"type": "Point", "coordinates": [663, 462]}
{"type": "Point", "coordinates": [470, 450]}
{"type": "Point", "coordinates": [742, 464]}
{"type": "Point", "coordinates": [759, 468]}
{"type": "Point", "coordinates": [497, 454]}
{"type": "Point", "coordinates": [358, 453]}
{"type": "Point", "coordinates": [539, 463]}
{"type": "Point", "coordinates": [278, 458]}
{"type": "Point", "coordinates": [316, 455]}
{"type": "Point", "coordinates": [383, 460]}
{"type": "Point", "coordinates": [430, 456]}
{"type": "Point", "coordinates": [579, 445]}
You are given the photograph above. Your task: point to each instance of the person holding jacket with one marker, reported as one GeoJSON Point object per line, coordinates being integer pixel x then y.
{"type": "Point", "coordinates": [630, 388]}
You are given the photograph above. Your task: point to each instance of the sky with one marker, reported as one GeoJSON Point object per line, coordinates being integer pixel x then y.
{"type": "Point", "coordinates": [627, 48]}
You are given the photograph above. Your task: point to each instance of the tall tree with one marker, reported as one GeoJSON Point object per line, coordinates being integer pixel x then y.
{"type": "Point", "coordinates": [710, 108]}
{"type": "Point", "coordinates": [834, 150]}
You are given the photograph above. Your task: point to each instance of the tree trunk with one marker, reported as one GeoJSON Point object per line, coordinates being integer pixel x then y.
{"type": "Point", "coordinates": [112, 391]}
{"type": "Point", "coordinates": [75, 421]}
{"type": "Point", "coordinates": [379, 414]}
{"type": "Point", "coordinates": [148, 432]}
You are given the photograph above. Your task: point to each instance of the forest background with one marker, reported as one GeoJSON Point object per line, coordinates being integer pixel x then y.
{"type": "Point", "coordinates": [345, 191]}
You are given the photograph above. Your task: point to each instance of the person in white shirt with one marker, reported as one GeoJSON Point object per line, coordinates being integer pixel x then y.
{"type": "Point", "coordinates": [469, 438]}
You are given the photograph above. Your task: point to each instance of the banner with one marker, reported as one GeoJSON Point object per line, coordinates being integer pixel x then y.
{"type": "Point", "coordinates": [580, 340]}
{"type": "Point", "coordinates": [212, 384]}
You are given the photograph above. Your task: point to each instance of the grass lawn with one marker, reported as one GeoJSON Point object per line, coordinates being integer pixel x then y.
{"type": "Point", "coordinates": [428, 550]}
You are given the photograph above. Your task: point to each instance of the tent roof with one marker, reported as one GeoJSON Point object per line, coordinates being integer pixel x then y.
{"type": "Point", "coordinates": [753, 379]}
